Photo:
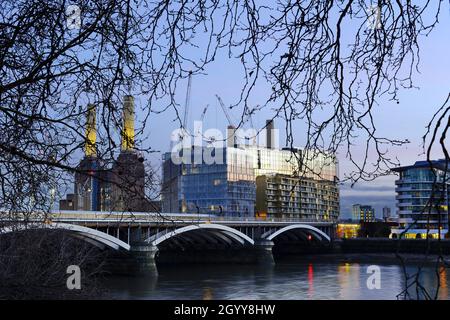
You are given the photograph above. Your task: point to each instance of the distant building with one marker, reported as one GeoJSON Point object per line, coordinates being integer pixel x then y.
{"type": "Point", "coordinates": [363, 213]}
{"type": "Point", "coordinates": [418, 212]}
{"type": "Point", "coordinates": [119, 187]}
{"type": "Point", "coordinates": [346, 230]}
{"type": "Point", "coordinates": [376, 229]}
{"type": "Point", "coordinates": [386, 213]}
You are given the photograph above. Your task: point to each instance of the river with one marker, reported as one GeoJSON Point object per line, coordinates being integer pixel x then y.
{"type": "Point", "coordinates": [324, 277]}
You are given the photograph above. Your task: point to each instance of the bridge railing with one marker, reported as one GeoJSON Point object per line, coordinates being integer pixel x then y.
{"type": "Point", "coordinates": [114, 217]}
{"type": "Point", "coordinates": [176, 217]}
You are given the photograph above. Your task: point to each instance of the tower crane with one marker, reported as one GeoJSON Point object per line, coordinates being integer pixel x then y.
{"type": "Point", "coordinates": [224, 110]}
{"type": "Point", "coordinates": [201, 119]}
{"type": "Point", "coordinates": [204, 112]}
{"type": "Point", "coordinates": [232, 136]}
{"type": "Point", "coordinates": [184, 131]}
{"type": "Point", "coordinates": [252, 127]}
{"type": "Point", "coordinates": [187, 101]}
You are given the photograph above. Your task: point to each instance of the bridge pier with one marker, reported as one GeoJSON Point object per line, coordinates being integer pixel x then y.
{"type": "Point", "coordinates": [263, 251]}
{"type": "Point", "coordinates": [139, 260]}
{"type": "Point", "coordinates": [142, 252]}
{"type": "Point", "coordinates": [143, 255]}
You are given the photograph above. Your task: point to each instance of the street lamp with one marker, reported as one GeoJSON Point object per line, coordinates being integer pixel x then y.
{"type": "Point", "coordinates": [198, 212]}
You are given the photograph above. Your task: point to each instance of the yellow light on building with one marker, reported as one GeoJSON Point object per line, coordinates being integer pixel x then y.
{"type": "Point", "coordinates": [91, 131]}
{"type": "Point", "coordinates": [347, 230]}
{"type": "Point", "coordinates": [128, 123]}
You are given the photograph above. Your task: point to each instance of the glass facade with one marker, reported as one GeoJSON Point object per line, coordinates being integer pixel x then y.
{"type": "Point", "coordinates": [224, 187]}
{"type": "Point", "coordinates": [295, 162]}
{"type": "Point", "coordinates": [229, 186]}
{"type": "Point", "coordinates": [422, 199]}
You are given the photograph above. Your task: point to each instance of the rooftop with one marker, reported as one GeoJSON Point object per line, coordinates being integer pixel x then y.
{"type": "Point", "coordinates": [442, 164]}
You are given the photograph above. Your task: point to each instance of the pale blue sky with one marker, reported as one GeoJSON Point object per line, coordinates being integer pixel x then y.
{"type": "Point", "coordinates": [406, 120]}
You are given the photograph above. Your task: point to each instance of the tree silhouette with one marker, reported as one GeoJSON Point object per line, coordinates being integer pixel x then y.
{"type": "Point", "coordinates": [325, 62]}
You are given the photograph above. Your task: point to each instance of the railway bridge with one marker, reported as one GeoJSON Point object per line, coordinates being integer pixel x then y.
{"type": "Point", "coordinates": [150, 236]}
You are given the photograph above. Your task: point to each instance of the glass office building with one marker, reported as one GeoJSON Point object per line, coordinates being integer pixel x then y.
{"type": "Point", "coordinates": [422, 199]}
{"type": "Point", "coordinates": [228, 185]}
{"type": "Point", "coordinates": [295, 162]}
{"type": "Point", "coordinates": [225, 186]}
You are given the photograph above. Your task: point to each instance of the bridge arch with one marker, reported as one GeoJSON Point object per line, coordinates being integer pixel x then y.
{"type": "Point", "coordinates": [319, 234]}
{"type": "Point", "coordinates": [209, 231]}
{"type": "Point", "coordinates": [88, 234]}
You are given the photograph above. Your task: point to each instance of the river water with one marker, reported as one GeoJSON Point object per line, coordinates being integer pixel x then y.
{"type": "Point", "coordinates": [326, 277]}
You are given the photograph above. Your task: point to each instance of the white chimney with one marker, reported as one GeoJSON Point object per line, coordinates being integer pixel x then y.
{"type": "Point", "coordinates": [231, 137]}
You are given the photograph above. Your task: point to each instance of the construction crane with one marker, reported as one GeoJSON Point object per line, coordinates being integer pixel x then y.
{"type": "Point", "coordinates": [252, 127]}
{"type": "Point", "coordinates": [211, 139]}
{"type": "Point", "coordinates": [224, 110]}
{"type": "Point", "coordinates": [201, 119]}
{"type": "Point", "coordinates": [184, 131]}
{"type": "Point", "coordinates": [187, 101]}
{"type": "Point", "coordinates": [204, 112]}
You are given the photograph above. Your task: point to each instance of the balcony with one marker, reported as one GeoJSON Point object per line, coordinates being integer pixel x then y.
{"type": "Point", "coordinates": [403, 196]}
{"type": "Point", "coordinates": [403, 204]}
{"type": "Point", "coordinates": [401, 189]}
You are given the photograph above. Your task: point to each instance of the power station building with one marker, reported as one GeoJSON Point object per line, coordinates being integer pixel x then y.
{"type": "Point", "coordinates": [116, 187]}
{"type": "Point", "coordinates": [247, 180]}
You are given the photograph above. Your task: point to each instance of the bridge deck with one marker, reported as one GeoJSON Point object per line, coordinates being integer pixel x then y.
{"type": "Point", "coordinates": [152, 218]}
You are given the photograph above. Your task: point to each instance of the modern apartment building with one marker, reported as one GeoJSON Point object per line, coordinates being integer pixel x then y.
{"type": "Point", "coordinates": [289, 196]}
{"type": "Point", "coordinates": [423, 192]}
{"type": "Point", "coordinates": [252, 179]}
{"type": "Point", "coordinates": [363, 213]}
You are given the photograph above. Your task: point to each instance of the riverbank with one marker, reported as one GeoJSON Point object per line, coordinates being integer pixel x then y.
{"type": "Point", "coordinates": [392, 246]}
{"type": "Point", "coordinates": [366, 258]}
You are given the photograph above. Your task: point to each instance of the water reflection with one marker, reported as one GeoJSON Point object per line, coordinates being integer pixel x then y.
{"type": "Point", "coordinates": [443, 292]}
{"type": "Point", "coordinates": [433, 283]}
{"type": "Point", "coordinates": [305, 279]}
{"type": "Point", "coordinates": [310, 281]}
{"type": "Point", "coordinates": [208, 293]}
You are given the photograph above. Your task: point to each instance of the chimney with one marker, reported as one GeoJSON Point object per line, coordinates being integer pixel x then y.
{"type": "Point", "coordinates": [128, 123]}
{"type": "Point", "coordinates": [231, 137]}
{"type": "Point", "coordinates": [91, 131]}
{"type": "Point", "coordinates": [270, 143]}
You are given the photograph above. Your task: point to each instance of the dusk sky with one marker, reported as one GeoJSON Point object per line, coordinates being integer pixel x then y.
{"type": "Point", "coordinates": [130, 170]}
{"type": "Point", "coordinates": [405, 120]}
